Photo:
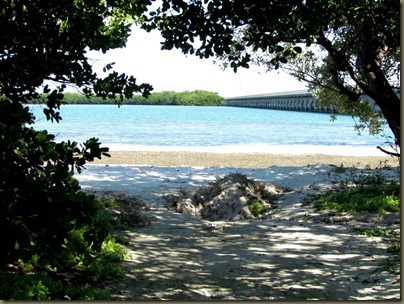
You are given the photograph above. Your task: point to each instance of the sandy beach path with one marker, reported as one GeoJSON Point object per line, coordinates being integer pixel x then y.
{"type": "Point", "coordinates": [293, 254]}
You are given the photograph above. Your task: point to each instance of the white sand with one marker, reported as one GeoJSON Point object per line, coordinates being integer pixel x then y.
{"type": "Point", "coordinates": [291, 255]}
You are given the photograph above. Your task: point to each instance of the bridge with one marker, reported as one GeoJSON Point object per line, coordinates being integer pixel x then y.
{"type": "Point", "coordinates": [301, 100]}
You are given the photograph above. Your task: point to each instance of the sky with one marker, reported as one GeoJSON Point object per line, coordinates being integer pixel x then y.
{"type": "Point", "coordinates": [173, 71]}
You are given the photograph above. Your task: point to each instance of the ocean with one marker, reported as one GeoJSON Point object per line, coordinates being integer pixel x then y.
{"type": "Point", "coordinates": [210, 129]}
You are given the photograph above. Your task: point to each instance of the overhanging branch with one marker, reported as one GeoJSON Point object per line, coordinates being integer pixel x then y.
{"type": "Point", "coordinates": [395, 154]}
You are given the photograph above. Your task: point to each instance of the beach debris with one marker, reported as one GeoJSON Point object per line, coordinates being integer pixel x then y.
{"type": "Point", "coordinates": [232, 197]}
{"type": "Point", "coordinates": [127, 209]}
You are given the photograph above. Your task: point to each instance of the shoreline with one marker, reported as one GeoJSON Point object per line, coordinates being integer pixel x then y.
{"type": "Point", "coordinates": [239, 160]}
{"type": "Point", "coordinates": [293, 149]}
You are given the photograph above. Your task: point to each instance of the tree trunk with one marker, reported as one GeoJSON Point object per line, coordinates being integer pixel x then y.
{"type": "Point", "coordinates": [377, 87]}
{"type": "Point", "coordinates": [369, 61]}
{"type": "Point", "coordinates": [389, 104]}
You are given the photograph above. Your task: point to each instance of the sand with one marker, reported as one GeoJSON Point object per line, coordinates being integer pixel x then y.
{"type": "Point", "coordinates": [293, 253]}
{"type": "Point", "coordinates": [241, 160]}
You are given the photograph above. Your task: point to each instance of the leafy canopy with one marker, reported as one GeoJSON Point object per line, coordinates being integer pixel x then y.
{"type": "Point", "coordinates": [47, 41]}
{"type": "Point", "coordinates": [342, 48]}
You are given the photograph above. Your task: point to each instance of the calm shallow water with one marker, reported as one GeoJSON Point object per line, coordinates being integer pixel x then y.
{"type": "Point", "coordinates": [179, 127]}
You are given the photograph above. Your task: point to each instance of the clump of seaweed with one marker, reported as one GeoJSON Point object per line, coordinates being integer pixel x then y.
{"type": "Point", "coordinates": [232, 197]}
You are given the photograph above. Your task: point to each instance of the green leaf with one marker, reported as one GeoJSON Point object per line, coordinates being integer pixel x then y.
{"type": "Point", "coordinates": [297, 49]}
{"type": "Point", "coordinates": [42, 136]}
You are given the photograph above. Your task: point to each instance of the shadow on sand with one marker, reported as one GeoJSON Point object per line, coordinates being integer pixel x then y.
{"type": "Point", "coordinates": [180, 257]}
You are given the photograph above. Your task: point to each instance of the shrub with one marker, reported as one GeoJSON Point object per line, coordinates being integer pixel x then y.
{"type": "Point", "coordinates": [27, 287]}
{"type": "Point", "coordinates": [374, 199]}
{"type": "Point", "coordinates": [40, 286]}
{"type": "Point", "coordinates": [257, 208]}
{"type": "Point", "coordinates": [40, 200]}
{"type": "Point", "coordinates": [74, 279]}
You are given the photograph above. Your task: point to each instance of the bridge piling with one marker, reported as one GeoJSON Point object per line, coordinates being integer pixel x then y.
{"type": "Point", "coordinates": [301, 100]}
{"type": "Point", "coordinates": [291, 101]}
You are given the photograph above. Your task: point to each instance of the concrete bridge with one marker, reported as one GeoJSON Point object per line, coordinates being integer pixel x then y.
{"type": "Point", "coordinates": [301, 100]}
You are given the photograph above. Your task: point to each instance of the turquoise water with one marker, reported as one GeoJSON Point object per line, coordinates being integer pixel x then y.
{"type": "Point", "coordinates": [130, 127]}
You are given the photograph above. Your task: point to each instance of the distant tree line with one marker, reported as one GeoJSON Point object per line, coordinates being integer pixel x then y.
{"type": "Point", "coordinates": [187, 98]}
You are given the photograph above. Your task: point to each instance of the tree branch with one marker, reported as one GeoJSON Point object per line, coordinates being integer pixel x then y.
{"type": "Point", "coordinates": [388, 152]}
{"type": "Point", "coordinates": [339, 59]}
{"type": "Point", "coordinates": [310, 79]}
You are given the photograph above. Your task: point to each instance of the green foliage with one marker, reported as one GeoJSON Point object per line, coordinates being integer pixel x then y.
{"type": "Point", "coordinates": [353, 178]}
{"type": "Point", "coordinates": [374, 199]}
{"type": "Point", "coordinates": [86, 292]}
{"type": "Point", "coordinates": [49, 41]}
{"type": "Point", "coordinates": [257, 208]}
{"type": "Point", "coordinates": [33, 279]}
{"type": "Point", "coordinates": [121, 213]}
{"type": "Point", "coordinates": [27, 287]}
{"type": "Point", "coordinates": [29, 284]}
{"type": "Point", "coordinates": [375, 232]}
{"type": "Point", "coordinates": [110, 202]}
{"type": "Point", "coordinates": [44, 217]}
{"type": "Point", "coordinates": [364, 192]}
{"type": "Point", "coordinates": [366, 117]}
{"type": "Point", "coordinates": [49, 226]}
{"type": "Point", "coordinates": [106, 264]}
{"type": "Point", "coordinates": [351, 50]}
{"type": "Point", "coordinates": [40, 286]}
{"type": "Point", "coordinates": [187, 98]}
{"type": "Point", "coordinates": [41, 204]}
{"type": "Point", "coordinates": [367, 192]}
{"type": "Point", "coordinates": [40, 200]}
